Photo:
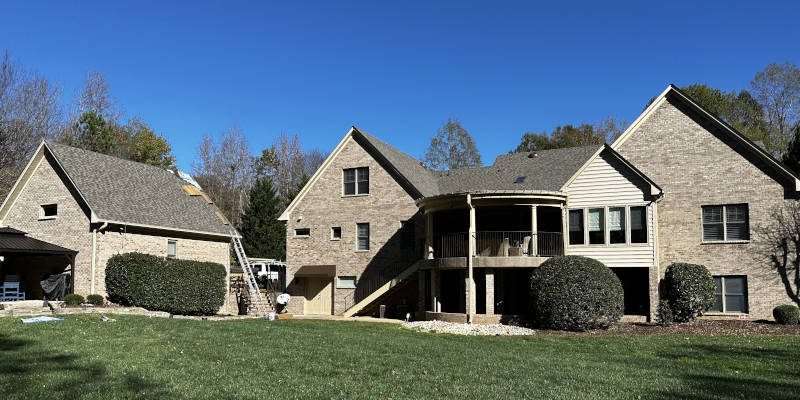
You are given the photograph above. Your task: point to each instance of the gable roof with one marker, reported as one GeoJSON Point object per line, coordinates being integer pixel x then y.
{"type": "Point", "coordinates": [131, 193]}
{"type": "Point", "coordinates": [15, 241]}
{"type": "Point", "coordinates": [673, 92]}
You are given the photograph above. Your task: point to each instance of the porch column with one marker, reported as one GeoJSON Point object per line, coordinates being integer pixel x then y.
{"type": "Point", "coordinates": [534, 250]}
{"type": "Point", "coordinates": [422, 275]}
{"type": "Point", "coordinates": [489, 291]}
{"type": "Point", "coordinates": [428, 235]}
{"type": "Point", "coordinates": [436, 301]}
{"type": "Point", "coordinates": [470, 284]}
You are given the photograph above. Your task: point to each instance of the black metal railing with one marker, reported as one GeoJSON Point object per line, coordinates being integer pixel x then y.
{"type": "Point", "coordinates": [500, 244]}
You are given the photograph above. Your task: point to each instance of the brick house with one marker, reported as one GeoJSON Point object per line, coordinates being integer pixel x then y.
{"type": "Point", "coordinates": [98, 206]}
{"type": "Point", "coordinates": [375, 227]}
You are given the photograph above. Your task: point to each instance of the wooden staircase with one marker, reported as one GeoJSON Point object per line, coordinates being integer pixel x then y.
{"type": "Point", "coordinates": [380, 287]}
{"type": "Point", "coordinates": [244, 300]}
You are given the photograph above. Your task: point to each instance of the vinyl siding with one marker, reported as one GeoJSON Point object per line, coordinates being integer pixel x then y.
{"type": "Point", "coordinates": [607, 183]}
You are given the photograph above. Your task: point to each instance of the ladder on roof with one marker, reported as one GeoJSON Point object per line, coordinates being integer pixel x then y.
{"type": "Point", "coordinates": [256, 298]}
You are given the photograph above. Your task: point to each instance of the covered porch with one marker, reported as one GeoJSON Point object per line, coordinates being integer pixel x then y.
{"type": "Point", "coordinates": [26, 262]}
{"type": "Point", "coordinates": [481, 249]}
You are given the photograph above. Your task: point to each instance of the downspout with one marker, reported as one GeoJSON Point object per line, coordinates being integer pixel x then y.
{"type": "Point", "coordinates": [94, 254]}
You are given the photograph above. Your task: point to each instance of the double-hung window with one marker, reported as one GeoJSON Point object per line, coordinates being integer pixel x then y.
{"type": "Point", "coordinates": [728, 222]}
{"type": "Point", "coordinates": [576, 227]}
{"type": "Point", "coordinates": [356, 181]}
{"type": "Point", "coordinates": [730, 294]}
{"type": "Point", "coordinates": [616, 225]}
{"type": "Point", "coordinates": [597, 226]}
{"type": "Point", "coordinates": [362, 236]}
{"type": "Point", "coordinates": [608, 225]}
{"type": "Point", "coordinates": [639, 224]}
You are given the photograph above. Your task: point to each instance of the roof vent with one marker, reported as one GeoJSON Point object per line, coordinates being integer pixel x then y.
{"type": "Point", "coordinates": [520, 179]}
{"type": "Point", "coordinates": [533, 155]}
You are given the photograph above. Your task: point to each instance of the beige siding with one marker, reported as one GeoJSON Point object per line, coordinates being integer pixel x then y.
{"type": "Point", "coordinates": [607, 183]}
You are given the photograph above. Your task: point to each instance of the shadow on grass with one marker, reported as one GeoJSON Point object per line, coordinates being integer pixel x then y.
{"type": "Point", "coordinates": [29, 371]}
{"type": "Point", "coordinates": [721, 372]}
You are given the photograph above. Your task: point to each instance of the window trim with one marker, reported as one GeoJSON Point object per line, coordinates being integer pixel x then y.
{"type": "Point", "coordinates": [43, 217]}
{"type": "Point", "coordinates": [607, 229]}
{"type": "Point", "coordinates": [724, 302]}
{"type": "Point", "coordinates": [355, 182]}
{"type": "Point", "coordinates": [302, 236]}
{"type": "Point", "coordinates": [725, 224]}
{"type": "Point", "coordinates": [369, 237]}
{"type": "Point", "coordinates": [333, 237]}
{"type": "Point", "coordinates": [171, 241]}
{"type": "Point", "coordinates": [338, 282]}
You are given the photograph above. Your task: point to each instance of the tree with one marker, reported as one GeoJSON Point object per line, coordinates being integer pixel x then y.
{"type": "Point", "coordinates": [452, 148]}
{"type": "Point", "coordinates": [777, 89]}
{"type": "Point", "coordinates": [262, 234]}
{"type": "Point", "coordinates": [30, 111]}
{"type": "Point", "coordinates": [792, 156]}
{"type": "Point", "coordinates": [226, 170]}
{"type": "Point", "coordinates": [606, 130]}
{"type": "Point", "coordinates": [287, 163]}
{"type": "Point", "coordinates": [148, 147]}
{"type": "Point", "coordinates": [96, 96]}
{"type": "Point", "coordinates": [92, 133]}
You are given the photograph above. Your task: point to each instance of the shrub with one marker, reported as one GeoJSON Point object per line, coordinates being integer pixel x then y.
{"type": "Point", "coordinates": [664, 316]}
{"type": "Point", "coordinates": [786, 314]}
{"type": "Point", "coordinates": [689, 290]}
{"type": "Point", "coordinates": [95, 299]}
{"type": "Point", "coordinates": [575, 293]}
{"type": "Point", "coordinates": [73, 299]}
{"type": "Point", "coordinates": [175, 286]}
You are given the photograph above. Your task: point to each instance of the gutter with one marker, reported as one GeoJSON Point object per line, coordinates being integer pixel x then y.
{"type": "Point", "coordinates": [94, 255]}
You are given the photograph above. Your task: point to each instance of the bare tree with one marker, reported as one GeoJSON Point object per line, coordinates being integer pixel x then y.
{"type": "Point", "coordinates": [611, 128]}
{"type": "Point", "coordinates": [225, 169]}
{"type": "Point", "coordinates": [452, 147]}
{"type": "Point", "coordinates": [780, 238]}
{"type": "Point", "coordinates": [95, 95]}
{"type": "Point", "coordinates": [777, 88]}
{"type": "Point", "coordinates": [30, 111]}
{"type": "Point", "coordinates": [288, 164]}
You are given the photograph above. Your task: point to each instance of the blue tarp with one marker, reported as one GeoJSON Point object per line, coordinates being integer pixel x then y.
{"type": "Point", "coordinates": [36, 320]}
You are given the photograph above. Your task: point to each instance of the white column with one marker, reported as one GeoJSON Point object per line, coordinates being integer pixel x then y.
{"type": "Point", "coordinates": [436, 304]}
{"type": "Point", "coordinates": [565, 227]}
{"type": "Point", "coordinates": [489, 291]}
{"type": "Point", "coordinates": [534, 250]}
{"type": "Point", "coordinates": [429, 235]}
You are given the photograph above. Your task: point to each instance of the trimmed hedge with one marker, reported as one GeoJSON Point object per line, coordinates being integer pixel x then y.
{"type": "Point", "coordinates": [73, 299]}
{"type": "Point", "coordinates": [664, 314]}
{"type": "Point", "coordinates": [689, 290]}
{"type": "Point", "coordinates": [176, 286]}
{"type": "Point", "coordinates": [575, 293]}
{"type": "Point", "coordinates": [786, 314]}
{"type": "Point", "coordinates": [95, 299]}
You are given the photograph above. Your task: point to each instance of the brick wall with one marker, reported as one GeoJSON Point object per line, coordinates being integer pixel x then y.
{"type": "Point", "coordinates": [697, 165]}
{"type": "Point", "coordinates": [69, 229]}
{"type": "Point", "coordinates": [324, 207]}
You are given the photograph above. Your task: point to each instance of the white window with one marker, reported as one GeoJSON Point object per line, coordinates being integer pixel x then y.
{"type": "Point", "coordinates": [356, 181]}
{"type": "Point", "coordinates": [730, 294]}
{"type": "Point", "coordinates": [346, 282]}
{"type": "Point", "coordinates": [172, 248]}
{"type": "Point", "coordinates": [616, 225]}
{"type": "Point", "coordinates": [597, 226]}
{"type": "Point", "coordinates": [362, 236]}
{"type": "Point", "coordinates": [302, 232]}
{"type": "Point", "coordinates": [336, 233]}
{"type": "Point", "coordinates": [728, 222]}
{"type": "Point", "coordinates": [48, 211]}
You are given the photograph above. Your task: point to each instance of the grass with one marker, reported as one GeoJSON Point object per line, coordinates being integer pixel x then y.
{"type": "Point", "coordinates": [139, 357]}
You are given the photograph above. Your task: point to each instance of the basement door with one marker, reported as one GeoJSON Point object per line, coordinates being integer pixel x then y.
{"type": "Point", "coordinates": [319, 296]}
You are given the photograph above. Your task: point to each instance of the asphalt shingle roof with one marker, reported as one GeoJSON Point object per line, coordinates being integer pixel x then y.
{"type": "Point", "coordinates": [549, 170]}
{"type": "Point", "coordinates": [135, 193]}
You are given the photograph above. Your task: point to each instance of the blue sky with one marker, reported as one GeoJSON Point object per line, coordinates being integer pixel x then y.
{"type": "Point", "coordinates": [398, 70]}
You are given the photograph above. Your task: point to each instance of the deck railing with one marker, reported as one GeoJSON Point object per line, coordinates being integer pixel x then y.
{"type": "Point", "coordinates": [500, 244]}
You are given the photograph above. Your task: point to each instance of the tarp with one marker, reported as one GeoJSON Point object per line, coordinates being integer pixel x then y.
{"type": "Point", "coordinates": [55, 286]}
{"type": "Point", "coordinates": [36, 320]}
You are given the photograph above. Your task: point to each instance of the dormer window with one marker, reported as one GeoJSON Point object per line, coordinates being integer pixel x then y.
{"type": "Point", "coordinates": [355, 181]}
{"type": "Point", "coordinates": [48, 211]}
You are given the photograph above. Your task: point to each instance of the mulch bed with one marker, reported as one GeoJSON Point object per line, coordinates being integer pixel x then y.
{"type": "Point", "coordinates": [699, 327]}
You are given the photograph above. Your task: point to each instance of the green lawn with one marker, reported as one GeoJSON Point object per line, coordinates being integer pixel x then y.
{"type": "Point", "coordinates": [139, 357]}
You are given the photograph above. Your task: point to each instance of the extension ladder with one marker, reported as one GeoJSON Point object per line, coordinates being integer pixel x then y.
{"type": "Point", "coordinates": [256, 297]}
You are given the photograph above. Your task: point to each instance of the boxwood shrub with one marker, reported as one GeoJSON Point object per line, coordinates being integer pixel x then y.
{"type": "Point", "coordinates": [575, 293]}
{"type": "Point", "coordinates": [95, 299]}
{"type": "Point", "coordinates": [176, 286]}
{"type": "Point", "coordinates": [73, 299]}
{"type": "Point", "coordinates": [689, 290]}
{"type": "Point", "coordinates": [786, 314]}
{"type": "Point", "coordinates": [664, 314]}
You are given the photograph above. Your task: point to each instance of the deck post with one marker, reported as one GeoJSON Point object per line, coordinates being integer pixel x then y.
{"type": "Point", "coordinates": [428, 235]}
{"type": "Point", "coordinates": [489, 291]}
{"type": "Point", "coordinates": [534, 250]}
{"type": "Point", "coordinates": [436, 279]}
{"type": "Point", "coordinates": [564, 228]}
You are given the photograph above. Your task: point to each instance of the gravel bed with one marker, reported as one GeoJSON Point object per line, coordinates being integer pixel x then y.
{"type": "Point", "coordinates": [468, 329]}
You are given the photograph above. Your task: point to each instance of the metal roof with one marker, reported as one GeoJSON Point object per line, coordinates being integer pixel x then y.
{"type": "Point", "coordinates": [16, 241]}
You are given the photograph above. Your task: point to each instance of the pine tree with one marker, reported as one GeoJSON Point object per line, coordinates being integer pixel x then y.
{"type": "Point", "coordinates": [262, 234]}
{"type": "Point", "coordinates": [792, 156]}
